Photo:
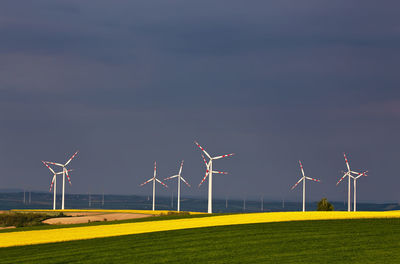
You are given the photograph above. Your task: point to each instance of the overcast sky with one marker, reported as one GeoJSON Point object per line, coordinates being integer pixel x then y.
{"type": "Point", "coordinates": [131, 82]}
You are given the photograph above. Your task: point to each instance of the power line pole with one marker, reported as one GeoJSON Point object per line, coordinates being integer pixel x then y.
{"type": "Point", "coordinates": [172, 199]}
{"type": "Point", "coordinates": [262, 203]}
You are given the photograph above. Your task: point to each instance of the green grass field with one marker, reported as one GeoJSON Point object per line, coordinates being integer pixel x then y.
{"type": "Point", "coordinates": [330, 241]}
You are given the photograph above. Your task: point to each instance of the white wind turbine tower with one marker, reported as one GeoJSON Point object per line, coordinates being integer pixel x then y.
{"type": "Point", "coordinates": [180, 178]}
{"type": "Point", "coordinates": [64, 172]}
{"type": "Point", "coordinates": [355, 188]}
{"type": "Point", "coordinates": [304, 178]}
{"type": "Point", "coordinates": [53, 182]}
{"type": "Point", "coordinates": [209, 172]}
{"type": "Point", "coordinates": [154, 179]}
{"type": "Point", "coordinates": [354, 177]}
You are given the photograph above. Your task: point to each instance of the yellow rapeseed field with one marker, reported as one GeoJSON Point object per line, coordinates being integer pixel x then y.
{"type": "Point", "coordinates": [87, 232]}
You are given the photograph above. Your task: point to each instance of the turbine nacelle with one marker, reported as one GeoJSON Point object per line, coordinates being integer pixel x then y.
{"type": "Point", "coordinates": [209, 163]}
{"type": "Point", "coordinates": [57, 173]}
{"type": "Point", "coordinates": [352, 174]}
{"type": "Point", "coordinates": [180, 178]}
{"type": "Point", "coordinates": [154, 178]}
{"type": "Point", "coordinates": [304, 177]}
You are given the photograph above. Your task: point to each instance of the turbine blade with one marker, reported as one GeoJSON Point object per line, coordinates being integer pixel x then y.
{"type": "Point", "coordinates": [220, 172]}
{"type": "Point", "coordinates": [52, 182]}
{"type": "Point", "coordinates": [224, 156]}
{"type": "Point", "coordinates": [49, 167]}
{"type": "Point", "coordinates": [162, 183]}
{"type": "Point", "coordinates": [205, 152]}
{"type": "Point", "coordinates": [174, 176]}
{"type": "Point", "coordinates": [205, 176]}
{"type": "Point", "coordinates": [54, 163]}
{"type": "Point", "coordinates": [146, 182]}
{"type": "Point", "coordinates": [347, 162]}
{"type": "Point", "coordinates": [155, 169]}
{"type": "Point", "coordinates": [344, 176]}
{"type": "Point", "coordinates": [311, 179]}
{"type": "Point", "coordinates": [301, 167]}
{"type": "Point", "coordinates": [60, 172]}
{"type": "Point", "coordinates": [180, 169]}
{"type": "Point", "coordinates": [294, 186]}
{"type": "Point", "coordinates": [185, 182]}
{"type": "Point", "coordinates": [361, 174]}
{"type": "Point", "coordinates": [204, 159]}
{"type": "Point", "coordinates": [72, 157]}
{"type": "Point", "coordinates": [69, 179]}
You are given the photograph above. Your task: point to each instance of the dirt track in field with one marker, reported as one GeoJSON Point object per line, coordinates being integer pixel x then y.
{"type": "Point", "coordinates": [80, 218]}
{"type": "Point", "coordinates": [7, 227]}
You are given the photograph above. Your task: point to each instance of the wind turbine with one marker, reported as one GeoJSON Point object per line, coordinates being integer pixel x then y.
{"type": "Point", "coordinates": [154, 179]}
{"type": "Point", "coordinates": [53, 181]}
{"type": "Point", "coordinates": [354, 177]}
{"type": "Point", "coordinates": [355, 189]}
{"type": "Point", "coordinates": [180, 178]}
{"type": "Point", "coordinates": [64, 172]}
{"type": "Point", "coordinates": [209, 172]}
{"type": "Point", "coordinates": [304, 178]}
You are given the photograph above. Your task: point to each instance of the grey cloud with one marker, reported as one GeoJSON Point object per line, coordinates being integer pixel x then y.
{"type": "Point", "coordinates": [131, 82]}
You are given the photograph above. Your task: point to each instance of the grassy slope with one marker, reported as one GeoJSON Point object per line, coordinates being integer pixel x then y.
{"type": "Point", "coordinates": [332, 241]}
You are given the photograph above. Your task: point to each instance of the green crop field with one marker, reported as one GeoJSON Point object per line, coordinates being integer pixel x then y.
{"type": "Point", "coordinates": [330, 241]}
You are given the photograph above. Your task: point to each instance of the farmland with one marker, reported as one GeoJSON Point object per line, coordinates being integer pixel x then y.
{"type": "Point", "coordinates": [88, 232]}
{"type": "Point", "coordinates": [328, 241]}
{"type": "Point", "coordinates": [170, 216]}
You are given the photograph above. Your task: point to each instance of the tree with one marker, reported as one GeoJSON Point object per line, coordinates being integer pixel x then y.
{"type": "Point", "coordinates": [324, 205]}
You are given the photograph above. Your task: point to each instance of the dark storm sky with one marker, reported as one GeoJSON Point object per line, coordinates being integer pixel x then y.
{"type": "Point", "coordinates": [130, 82]}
